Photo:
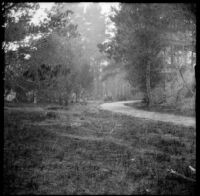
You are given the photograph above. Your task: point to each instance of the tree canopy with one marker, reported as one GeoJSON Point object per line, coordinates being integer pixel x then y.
{"type": "Point", "coordinates": [143, 32]}
{"type": "Point", "coordinates": [55, 50]}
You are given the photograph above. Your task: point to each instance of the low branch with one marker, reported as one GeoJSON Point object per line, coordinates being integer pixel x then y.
{"type": "Point", "coordinates": [192, 169]}
{"type": "Point", "coordinates": [176, 174]}
{"type": "Point", "coordinates": [8, 7]}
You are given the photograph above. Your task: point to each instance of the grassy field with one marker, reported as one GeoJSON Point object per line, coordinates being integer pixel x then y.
{"type": "Point", "coordinates": [82, 150]}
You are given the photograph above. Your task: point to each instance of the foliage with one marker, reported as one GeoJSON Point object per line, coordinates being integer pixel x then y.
{"type": "Point", "coordinates": [139, 41]}
{"type": "Point", "coordinates": [92, 28]}
{"type": "Point", "coordinates": [17, 18]}
{"type": "Point", "coordinates": [52, 57]}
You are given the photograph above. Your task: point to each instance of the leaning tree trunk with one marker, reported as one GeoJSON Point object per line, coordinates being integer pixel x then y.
{"type": "Point", "coordinates": [148, 84]}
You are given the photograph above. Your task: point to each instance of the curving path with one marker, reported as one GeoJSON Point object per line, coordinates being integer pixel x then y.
{"type": "Point", "coordinates": [119, 107]}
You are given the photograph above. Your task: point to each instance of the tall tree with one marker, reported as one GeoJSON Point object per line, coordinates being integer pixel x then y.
{"type": "Point", "coordinates": [137, 45]}
{"type": "Point", "coordinates": [17, 17]}
{"type": "Point", "coordinates": [52, 48]}
{"type": "Point", "coordinates": [91, 26]}
{"type": "Point", "coordinates": [143, 31]}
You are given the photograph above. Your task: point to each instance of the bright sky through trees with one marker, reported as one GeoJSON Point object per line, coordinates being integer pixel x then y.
{"type": "Point", "coordinates": [40, 14]}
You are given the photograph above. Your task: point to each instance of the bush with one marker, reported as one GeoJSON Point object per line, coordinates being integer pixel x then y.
{"type": "Point", "coordinates": [187, 105]}
{"type": "Point", "coordinates": [51, 114]}
{"type": "Point", "coordinates": [108, 98]}
{"type": "Point", "coordinates": [145, 100]}
{"type": "Point", "coordinates": [158, 95]}
{"type": "Point", "coordinates": [121, 98]}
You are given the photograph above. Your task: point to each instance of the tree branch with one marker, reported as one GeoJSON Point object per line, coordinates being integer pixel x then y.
{"type": "Point", "coordinates": [5, 9]}
{"type": "Point", "coordinates": [184, 80]}
{"type": "Point", "coordinates": [176, 174]}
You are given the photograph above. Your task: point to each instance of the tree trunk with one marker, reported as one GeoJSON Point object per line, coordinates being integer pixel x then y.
{"type": "Point", "coordinates": [178, 71]}
{"type": "Point", "coordinates": [76, 98]}
{"type": "Point", "coordinates": [60, 100]}
{"type": "Point", "coordinates": [148, 84]}
{"type": "Point", "coordinates": [38, 82]}
{"type": "Point", "coordinates": [66, 102]}
{"type": "Point", "coordinates": [35, 97]}
{"type": "Point", "coordinates": [186, 85]}
{"type": "Point", "coordinates": [192, 59]}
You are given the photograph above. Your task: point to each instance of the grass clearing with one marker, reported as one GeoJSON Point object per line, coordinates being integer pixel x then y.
{"type": "Point", "coordinates": [109, 154]}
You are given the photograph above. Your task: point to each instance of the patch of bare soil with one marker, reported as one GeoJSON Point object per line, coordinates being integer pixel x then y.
{"type": "Point", "coordinates": [120, 107]}
{"type": "Point", "coordinates": [162, 109]}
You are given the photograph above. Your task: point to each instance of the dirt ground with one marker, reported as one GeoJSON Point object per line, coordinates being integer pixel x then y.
{"type": "Point", "coordinates": [121, 107]}
{"type": "Point", "coordinates": [81, 149]}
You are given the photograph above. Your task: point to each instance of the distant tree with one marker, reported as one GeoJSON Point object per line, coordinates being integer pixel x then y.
{"type": "Point", "coordinates": [61, 48]}
{"type": "Point", "coordinates": [92, 28]}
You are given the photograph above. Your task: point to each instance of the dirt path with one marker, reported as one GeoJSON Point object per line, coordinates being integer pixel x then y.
{"type": "Point", "coordinates": [119, 107]}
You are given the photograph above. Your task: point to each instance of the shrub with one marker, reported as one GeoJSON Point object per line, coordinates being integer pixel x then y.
{"type": "Point", "coordinates": [108, 98]}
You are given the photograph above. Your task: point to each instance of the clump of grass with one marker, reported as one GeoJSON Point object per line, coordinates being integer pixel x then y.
{"type": "Point", "coordinates": [51, 115]}
{"type": "Point", "coordinates": [13, 116]}
{"type": "Point", "coordinates": [56, 107]}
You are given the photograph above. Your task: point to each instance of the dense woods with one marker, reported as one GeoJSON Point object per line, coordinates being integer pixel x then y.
{"type": "Point", "coordinates": [72, 52]}
{"type": "Point", "coordinates": [155, 43]}
{"type": "Point", "coordinates": [47, 60]}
